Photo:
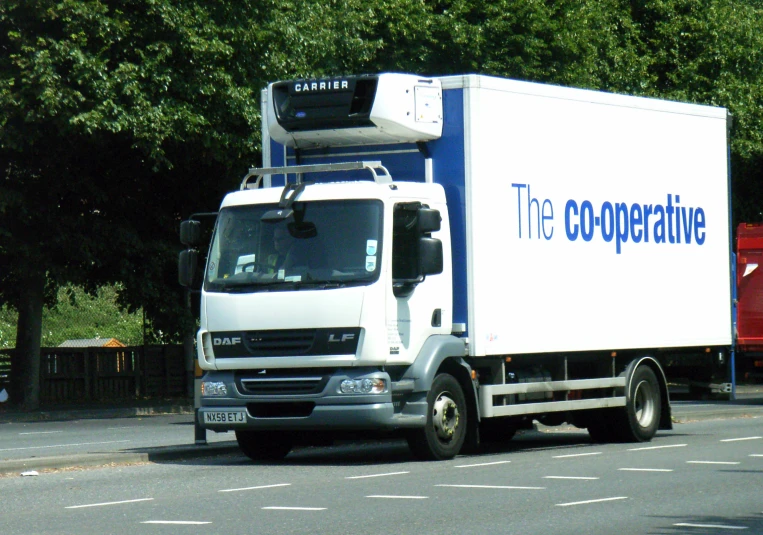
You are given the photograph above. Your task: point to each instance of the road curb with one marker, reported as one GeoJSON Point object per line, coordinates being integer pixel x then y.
{"type": "Point", "coordinates": [162, 454]}
{"type": "Point", "coordinates": [90, 414]}
{"type": "Point", "coordinates": [716, 415]}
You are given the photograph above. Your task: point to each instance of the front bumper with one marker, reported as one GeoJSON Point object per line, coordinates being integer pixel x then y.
{"type": "Point", "coordinates": [324, 410]}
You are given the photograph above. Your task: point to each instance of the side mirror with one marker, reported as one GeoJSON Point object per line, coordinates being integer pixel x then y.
{"type": "Point", "coordinates": [190, 232]}
{"type": "Point", "coordinates": [187, 262]}
{"type": "Point", "coordinates": [428, 220]}
{"type": "Point", "coordinates": [430, 256]}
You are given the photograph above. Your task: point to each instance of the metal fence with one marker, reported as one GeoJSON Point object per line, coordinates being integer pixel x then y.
{"type": "Point", "coordinates": [93, 374]}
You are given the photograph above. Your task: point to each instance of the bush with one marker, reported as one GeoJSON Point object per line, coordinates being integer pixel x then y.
{"type": "Point", "coordinates": [79, 315]}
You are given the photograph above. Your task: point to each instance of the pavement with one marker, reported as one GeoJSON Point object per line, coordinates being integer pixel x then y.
{"type": "Point", "coordinates": [749, 404]}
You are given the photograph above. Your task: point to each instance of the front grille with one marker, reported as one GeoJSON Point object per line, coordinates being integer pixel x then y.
{"type": "Point", "coordinates": [282, 386]}
{"type": "Point", "coordinates": [275, 343]}
{"type": "Point", "coordinates": [298, 382]}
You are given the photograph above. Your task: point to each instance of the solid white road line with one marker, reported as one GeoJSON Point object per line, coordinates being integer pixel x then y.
{"type": "Point", "coordinates": [178, 522]}
{"type": "Point", "coordinates": [708, 526]}
{"type": "Point", "coordinates": [63, 445]}
{"type": "Point", "coordinates": [481, 464]}
{"type": "Point", "coordinates": [378, 475]}
{"type": "Point", "coordinates": [592, 501]}
{"type": "Point", "coordinates": [756, 455]}
{"type": "Point", "coordinates": [40, 432]}
{"type": "Point", "coordinates": [256, 488]}
{"type": "Point", "coordinates": [108, 503]}
{"type": "Point", "coordinates": [296, 508]}
{"type": "Point", "coordinates": [712, 462]}
{"type": "Point", "coordinates": [571, 477]}
{"type": "Point", "coordinates": [658, 447]}
{"type": "Point", "coordinates": [400, 497]}
{"type": "Point", "coordinates": [646, 469]}
{"type": "Point", "coordinates": [491, 487]}
{"type": "Point", "coordinates": [577, 455]}
{"type": "Point", "coordinates": [739, 439]}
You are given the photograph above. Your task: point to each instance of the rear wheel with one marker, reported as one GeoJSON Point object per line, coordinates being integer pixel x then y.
{"type": "Point", "coordinates": [643, 406]}
{"type": "Point", "coordinates": [264, 445]}
{"type": "Point", "coordinates": [443, 435]}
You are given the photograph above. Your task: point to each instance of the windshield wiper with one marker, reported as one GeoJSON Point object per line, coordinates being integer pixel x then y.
{"type": "Point", "coordinates": [244, 286]}
{"type": "Point", "coordinates": [319, 284]}
{"type": "Point", "coordinates": [280, 284]}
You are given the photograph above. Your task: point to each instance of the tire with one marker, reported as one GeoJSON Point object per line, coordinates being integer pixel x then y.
{"type": "Point", "coordinates": [643, 407]}
{"type": "Point", "coordinates": [445, 430]}
{"type": "Point", "coordinates": [264, 445]}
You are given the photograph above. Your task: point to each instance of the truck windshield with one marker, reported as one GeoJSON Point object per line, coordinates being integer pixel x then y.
{"type": "Point", "coordinates": [322, 244]}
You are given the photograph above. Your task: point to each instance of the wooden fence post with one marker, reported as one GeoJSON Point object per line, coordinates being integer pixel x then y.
{"type": "Point", "coordinates": [88, 373]}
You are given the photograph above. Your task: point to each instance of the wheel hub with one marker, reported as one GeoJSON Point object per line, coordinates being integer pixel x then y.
{"type": "Point", "coordinates": [445, 417]}
{"type": "Point", "coordinates": [644, 404]}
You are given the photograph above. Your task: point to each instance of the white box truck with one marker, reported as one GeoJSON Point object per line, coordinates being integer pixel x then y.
{"type": "Point", "coordinates": [450, 259]}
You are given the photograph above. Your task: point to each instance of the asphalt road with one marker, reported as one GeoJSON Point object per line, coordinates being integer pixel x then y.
{"type": "Point", "coordinates": [98, 437]}
{"type": "Point", "coordinates": [704, 477]}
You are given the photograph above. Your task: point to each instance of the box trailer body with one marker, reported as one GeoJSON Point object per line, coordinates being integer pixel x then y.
{"type": "Point", "coordinates": [583, 237]}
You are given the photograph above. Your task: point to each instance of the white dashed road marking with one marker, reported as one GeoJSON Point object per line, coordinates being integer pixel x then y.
{"type": "Point", "coordinates": [480, 464]}
{"type": "Point", "coordinates": [708, 526]}
{"type": "Point", "coordinates": [108, 503]}
{"type": "Point", "coordinates": [576, 455]}
{"type": "Point", "coordinates": [275, 508]}
{"type": "Point", "coordinates": [256, 488]}
{"type": "Point", "coordinates": [490, 487]}
{"type": "Point", "coordinates": [712, 462]}
{"type": "Point", "coordinates": [176, 522]}
{"type": "Point", "coordinates": [377, 475]}
{"type": "Point", "coordinates": [658, 447]}
{"type": "Point", "coordinates": [571, 477]}
{"type": "Point", "coordinates": [400, 497]}
{"type": "Point", "coordinates": [645, 469]}
{"type": "Point", "coordinates": [592, 501]}
{"type": "Point", "coordinates": [739, 439]}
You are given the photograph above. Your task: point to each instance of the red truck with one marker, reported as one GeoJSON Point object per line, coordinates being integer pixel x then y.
{"type": "Point", "coordinates": [749, 301]}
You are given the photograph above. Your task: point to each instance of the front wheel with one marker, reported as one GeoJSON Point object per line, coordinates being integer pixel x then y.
{"type": "Point", "coordinates": [443, 435]}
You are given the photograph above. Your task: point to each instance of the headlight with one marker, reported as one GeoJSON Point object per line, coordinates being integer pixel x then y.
{"type": "Point", "coordinates": [363, 386]}
{"type": "Point", "coordinates": [213, 388]}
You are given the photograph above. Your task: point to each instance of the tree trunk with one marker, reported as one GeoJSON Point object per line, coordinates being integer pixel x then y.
{"type": "Point", "coordinates": [25, 362]}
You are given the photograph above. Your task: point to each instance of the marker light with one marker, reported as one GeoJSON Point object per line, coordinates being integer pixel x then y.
{"type": "Point", "coordinates": [363, 386]}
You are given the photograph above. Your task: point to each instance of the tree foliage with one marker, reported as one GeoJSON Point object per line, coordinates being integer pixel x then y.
{"type": "Point", "coordinates": [120, 117]}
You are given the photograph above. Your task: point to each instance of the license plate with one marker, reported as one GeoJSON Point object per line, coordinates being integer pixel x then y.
{"type": "Point", "coordinates": [225, 417]}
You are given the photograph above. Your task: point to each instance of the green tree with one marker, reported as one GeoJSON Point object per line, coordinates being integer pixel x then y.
{"type": "Point", "coordinates": [117, 119]}
{"type": "Point", "coordinates": [712, 53]}
{"type": "Point", "coordinates": [113, 117]}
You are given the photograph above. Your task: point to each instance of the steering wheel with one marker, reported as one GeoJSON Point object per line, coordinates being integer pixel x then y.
{"type": "Point", "coordinates": [255, 265]}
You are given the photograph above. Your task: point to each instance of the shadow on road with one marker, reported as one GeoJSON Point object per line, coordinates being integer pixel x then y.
{"type": "Point", "coordinates": [706, 525]}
